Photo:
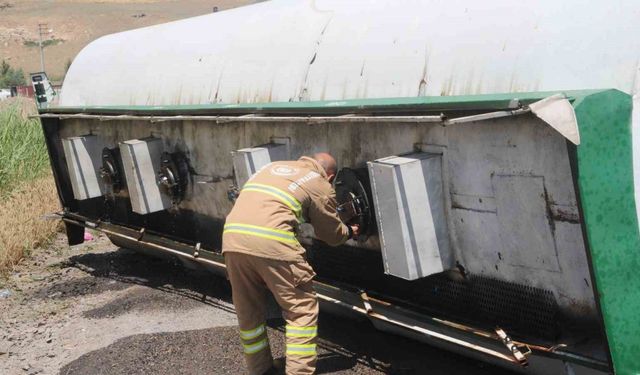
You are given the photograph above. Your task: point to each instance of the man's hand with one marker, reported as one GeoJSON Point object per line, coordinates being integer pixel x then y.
{"type": "Point", "coordinates": [355, 231]}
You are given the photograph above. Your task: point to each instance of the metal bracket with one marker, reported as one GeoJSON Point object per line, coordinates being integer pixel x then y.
{"type": "Point", "coordinates": [365, 302]}
{"type": "Point", "coordinates": [140, 234]}
{"type": "Point", "coordinates": [53, 216]}
{"type": "Point", "coordinates": [486, 116]}
{"type": "Point", "coordinates": [513, 348]}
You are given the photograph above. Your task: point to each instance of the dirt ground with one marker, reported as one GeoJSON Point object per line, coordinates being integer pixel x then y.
{"type": "Point", "coordinates": [97, 309]}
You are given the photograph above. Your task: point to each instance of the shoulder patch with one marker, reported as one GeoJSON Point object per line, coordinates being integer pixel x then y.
{"type": "Point", "coordinates": [284, 170]}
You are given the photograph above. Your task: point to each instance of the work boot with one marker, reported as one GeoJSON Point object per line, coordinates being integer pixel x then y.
{"type": "Point", "coordinates": [279, 364]}
{"type": "Point", "coordinates": [272, 371]}
{"type": "Point", "coordinates": [277, 368]}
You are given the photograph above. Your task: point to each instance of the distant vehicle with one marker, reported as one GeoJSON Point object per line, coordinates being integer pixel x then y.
{"type": "Point", "coordinates": [5, 93]}
{"type": "Point", "coordinates": [44, 91]}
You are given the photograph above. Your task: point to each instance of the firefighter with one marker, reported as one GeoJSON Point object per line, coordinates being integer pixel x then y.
{"type": "Point", "coordinates": [263, 255]}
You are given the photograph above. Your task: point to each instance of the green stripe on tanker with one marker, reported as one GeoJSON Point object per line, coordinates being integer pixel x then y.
{"type": "Point", "coordinates": [605, 178]}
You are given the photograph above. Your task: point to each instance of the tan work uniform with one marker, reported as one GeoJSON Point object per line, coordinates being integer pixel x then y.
{"type": "Point", "coordinates": [262, 254]}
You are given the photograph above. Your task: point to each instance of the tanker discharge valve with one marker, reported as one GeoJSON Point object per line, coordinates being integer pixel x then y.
{"type": "Point", "coordinates": [353, 203]}
{"type": "Point", "coordinates": [110, 170]}
{"type": "Point", "coordinates": [173, 177]}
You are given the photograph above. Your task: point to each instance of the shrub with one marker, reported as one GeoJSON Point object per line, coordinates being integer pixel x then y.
{"type": "Point", "coordinates": [10, 76]}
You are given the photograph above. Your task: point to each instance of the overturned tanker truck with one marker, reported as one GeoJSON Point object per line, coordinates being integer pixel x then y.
{"type": "Point", "coordinates": [485, 148]}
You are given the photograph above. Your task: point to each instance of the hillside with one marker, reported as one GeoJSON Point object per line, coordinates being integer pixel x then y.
{"type": "Point", "coordinates": [74, 23]}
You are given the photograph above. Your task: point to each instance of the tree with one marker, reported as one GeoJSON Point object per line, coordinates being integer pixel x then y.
{"type": "Point", "coordinates": [10, 76]}
{"type": "Point", "coordinates": [4, 68]}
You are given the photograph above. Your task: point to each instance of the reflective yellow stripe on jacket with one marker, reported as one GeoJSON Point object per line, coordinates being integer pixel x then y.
{"type": "Point", "coordinates": [262, 232]}
{"type": "Point", "coordinates": [283, 196]}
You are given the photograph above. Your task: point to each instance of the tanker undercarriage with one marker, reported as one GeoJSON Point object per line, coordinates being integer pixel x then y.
{"type": "Point", "coordinates": [472, 229]}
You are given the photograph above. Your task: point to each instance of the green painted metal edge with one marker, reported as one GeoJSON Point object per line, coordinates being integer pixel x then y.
{"type": "Point", "coordinates": [605, 180]}
{"type": "Point", "coordinates": [428, 103]}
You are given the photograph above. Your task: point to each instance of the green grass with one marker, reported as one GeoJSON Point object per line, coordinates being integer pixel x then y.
{"type": "Point", "coordinates": [23, 154]}
{"type": "Point", "coordinates": [27, 189]}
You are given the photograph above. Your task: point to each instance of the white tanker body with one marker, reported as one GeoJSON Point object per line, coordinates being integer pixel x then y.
{"type": "Point", "coordinates": [303, 50]}
{"type": "Point", "coordinates": [520, 218]}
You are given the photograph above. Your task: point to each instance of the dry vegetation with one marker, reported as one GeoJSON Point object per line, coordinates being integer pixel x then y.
{"type": "Point", "coordinates": [27, 189]}
{"type": "Point", "coordinates": [22, 226]}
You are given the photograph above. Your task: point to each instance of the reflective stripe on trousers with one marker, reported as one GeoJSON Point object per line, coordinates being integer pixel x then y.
{"type": "Point", "coordinates": [252, 333]}
{"type": "Point", "coordinates": [301, 349]}
{"type": "Point", "coordinates": [248, 338]}
{"type": "Point", "coordinates": [293, 331]}
{"type": "Point", "coordinates": [305, 337]}
{"type": "Point", "coordinates": [262, 232]}
{"type": "Point", "coordinates": [255, 347]}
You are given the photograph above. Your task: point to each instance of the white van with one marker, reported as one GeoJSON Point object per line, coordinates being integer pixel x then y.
{"type": "Point", "coordinates": [4, 94]}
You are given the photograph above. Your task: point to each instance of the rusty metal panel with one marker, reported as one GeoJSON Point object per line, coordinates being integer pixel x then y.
{"type": "Point", "coordinates": [524, 227]}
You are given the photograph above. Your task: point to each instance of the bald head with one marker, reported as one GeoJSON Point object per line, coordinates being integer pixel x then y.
{"type": "Point", "coordinates": [327, 162]}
